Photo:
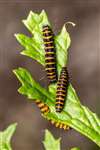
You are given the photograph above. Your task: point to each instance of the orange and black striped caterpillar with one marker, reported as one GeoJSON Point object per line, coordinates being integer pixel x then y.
{"type": "Point", "coordinates": [50, 54]}
{"type": "Point", "coordinates": [60, 125]}
{"type": "Point", "coordinates": [61, 92]}
{"type": "Point", "coordinates": [45, 109]}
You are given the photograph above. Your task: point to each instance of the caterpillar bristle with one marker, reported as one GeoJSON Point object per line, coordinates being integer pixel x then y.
{"type": "Point", "coordinates": [61, 92]}
{"type": "Point", "coordinates": [50, 57]}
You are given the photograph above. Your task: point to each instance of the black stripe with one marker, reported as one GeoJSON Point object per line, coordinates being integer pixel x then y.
{"type": "Point", "coordinates": [47, 34]}
{"type": "Point", "coordinates": [50, 66]}
{"type": "Point", "coordinates": [62, 91]}
{"type": "Point", "coordinates": [50, 50]}
{"type": "Point", "coordinates": [61, 87]}
{"type": "Point", "coordinates": [62, 101]}
{"type": "Point", "coordinates": [46, 29]}
{"type": "Point", "coordinates": [49, 44]}
{"type": "Point", "coordinates": [48, 40]}
{"type": "Point", "coordinates": [63, 84]}
{"type": "Point", "coordinates": [59, 95]}
{"type": "Point", "coordinates": [51, 70]}
{"type": "Point", "coordinates": [63, 80]}
{"type": "Point", "coordinates": [50, 60]}
{"type": "Point", "coordinates": [50, 55]}
{"type": "Point", "coordinates": [51, 77]}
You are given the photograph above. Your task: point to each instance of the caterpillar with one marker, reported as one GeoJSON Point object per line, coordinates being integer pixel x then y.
{"type": "Point", "coordinates": [61, 92]}
{"type": "Point", "coordinates": [45, 109]}
{"type": "Point", "coordinates": [60, 125]}
{"type": "Point", "coordinates": [50, 57]}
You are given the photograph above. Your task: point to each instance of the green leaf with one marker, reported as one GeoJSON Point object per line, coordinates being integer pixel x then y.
{"type": "Point", "coordinates": [30, 87]}
{"type": "Point", "coordinates": [74, 113]}
{"type": "Point", "coordinates": [62, 42]}
{"type": "Point", "coordinates": [50, 143]}
{"type": "Point", "coordinates": [32, 48]}
{"type": "Point", "coordinates": [5, 137]}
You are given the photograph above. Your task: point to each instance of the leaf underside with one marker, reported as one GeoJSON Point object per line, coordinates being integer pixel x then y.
{"type": "Point", "coordinates": [74, 113]}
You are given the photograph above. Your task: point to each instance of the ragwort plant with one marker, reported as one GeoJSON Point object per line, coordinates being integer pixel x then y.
{"type": "Point", "coordinates": [74, 114]}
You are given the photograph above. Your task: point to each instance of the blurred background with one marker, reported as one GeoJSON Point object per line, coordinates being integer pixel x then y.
{"type": "Point", "coordinates": [84, 67]}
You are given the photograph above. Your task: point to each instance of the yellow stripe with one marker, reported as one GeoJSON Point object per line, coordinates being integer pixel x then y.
{"type": "Point", "coordinates": [65, 127]}
{"type": "Point", "coordinates": [60, 94]}
{"type": "Point", "coordinates": [40, 105]}
{"type": "Point", "coordinates": [59, 103]}
{"type": "Point", "coordinates": [45, 109]}
{"type": "Point", "coordinates": [48, 58]}
{"type": "Point", "coordinates": [49, 47]}
{"type": "Point", "coordinates": [48, 42]}
{"type": "Point", "coordinates": [58, 106]}
{"type": "Point", "coordinates": [49, 52]}
{"type": "Point", "coordinates": [57, 124]}
{"type": "Point", "coordinates": [47, 37]}
{"type": "Point", "coordinates": [38, 101]}
{"type": "Point", "coordinates": [49, 69]}
{"type": "Point", "coordinates": [47, 31]}
{"type": "Point", "coordinates": [61, 87]}
{"type": "Point", "coordinates": [52, 121]}
{"type": "Point", "coordinates": [45, 28]}
{"type": "Point", "coordinates": [59, 98]}
{"type": "Point", "coordinates": [50, 63]}
{"type": "Point", "coordinates": [61, 91]}
{"type": "Point", "coordinates": [51, 73]}
{"type": "Point", "coordinates": [53, 76]}
{"type": "Point", "coordinates": [61, 126]}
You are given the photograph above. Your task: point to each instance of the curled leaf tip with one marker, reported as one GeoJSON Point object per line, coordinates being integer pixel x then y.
{"type": "Point", "coordinates": [70, 23]}
{"type": "Point", "coordinates": [15, 34]}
